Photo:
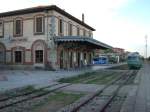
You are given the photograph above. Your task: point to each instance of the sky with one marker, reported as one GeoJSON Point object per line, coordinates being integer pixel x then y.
{"type": "Point", "coordinates": [119, 23]}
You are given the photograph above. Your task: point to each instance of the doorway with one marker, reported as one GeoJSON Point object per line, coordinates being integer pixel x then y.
{"type": "Point", "coordinates": [18, 56]}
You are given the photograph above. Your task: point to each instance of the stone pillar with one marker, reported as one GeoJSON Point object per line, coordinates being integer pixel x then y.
{"type": "Point", "coordinates": [28, 57]}
{"type": "Point", "coordinates": [8, 57]}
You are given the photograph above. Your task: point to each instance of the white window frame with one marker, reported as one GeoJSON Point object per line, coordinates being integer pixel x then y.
{"type": "Point", "coordinates": [61, 26]}
{"type": "Point", "coordinates": [78, 31]}
{"type": "Point", "coordinates": [35, 25]}
{"type": "Point", "coordinates": [21, 33]}
{"type": "Point", "coordinates": [2, 32]}
{"type": "Point", "coordinates": [70, 29]}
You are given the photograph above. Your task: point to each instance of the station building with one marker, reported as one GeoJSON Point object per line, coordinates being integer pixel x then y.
{"type": "Point", "coordinates": [47, 37]}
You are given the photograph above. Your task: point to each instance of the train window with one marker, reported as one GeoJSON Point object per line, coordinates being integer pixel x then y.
{"type": "Point", "coordinates": [103, 58]}
{"type": "Point", "coordinates": [95, 59]}
{"type": "Point", "coordinates": [132, 58]}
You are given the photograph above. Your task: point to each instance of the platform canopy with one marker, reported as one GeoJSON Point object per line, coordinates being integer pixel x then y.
{"type": "Point", "coordinates": [83, 40]}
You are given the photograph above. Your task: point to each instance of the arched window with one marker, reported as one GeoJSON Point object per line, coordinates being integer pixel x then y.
{"type": "Point", "coordinates": [38, 52]}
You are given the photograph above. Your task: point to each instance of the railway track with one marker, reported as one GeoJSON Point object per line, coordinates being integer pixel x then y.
{"type": "Point", "coordinates": [13, 100]}
{"type": "Point", "coordinates": [35, 94]}
{"type": "Point", "coordinates": [115, 93]}
{"type": "Point", "coordinates": [25, 93]}
{"type": "Point", "coordinates": [94, 103]}
{"type": "Point", "coordinates": [94, 78]}
{"type": "Point", "coordinates": [29, 95]}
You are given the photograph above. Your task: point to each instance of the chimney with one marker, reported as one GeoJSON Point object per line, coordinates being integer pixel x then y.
{"type": "Point", "coordinates": [83, 17]}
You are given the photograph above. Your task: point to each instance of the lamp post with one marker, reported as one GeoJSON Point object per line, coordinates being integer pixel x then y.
{"type": "Point", "coordinates": [146, 46]}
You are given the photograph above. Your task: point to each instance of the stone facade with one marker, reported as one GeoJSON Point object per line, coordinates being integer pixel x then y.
{"type": "Point", "coordinates": [30, 45]}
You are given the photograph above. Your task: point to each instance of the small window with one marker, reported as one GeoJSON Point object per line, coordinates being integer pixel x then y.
{"type": "Point", "coordinates": [84, 33]}
{"type": "Point", "coordinates": [70, 29]}
{"type": "Point", "coordinates": [132, 58]}
{"type": "Point", "coordinates": [90, 34]}
{"type": "Point", "coordinates": [18, 27]}
{"type": "Point", "coordinates": [39, 24]}
{"type": "Point", "coordinates": [60, 26]}
{"type": "Point", "coordinates": [39, 56]}
{"type": "Point", "coordinates": [78, 31]}
{"type": "Point", "coordinates": [1, 29]}
{"type": "Point", "coordinates": [18, 56]}
{"type": "Point", "coordinates": [104, 59]}
{"type": "Point", "coordinates": [96, 59]}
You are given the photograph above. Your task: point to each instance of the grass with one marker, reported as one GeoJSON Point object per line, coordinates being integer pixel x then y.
{"type": "Point", "coordinates": [103, 80]}
{"type": "Point", "coordinates": [131, 80]}
{"type": "Point", "coordinates": [18, 91]}
{"type": "Point", "coordinates": [100, 77]}
{"type": "Point", "coordinates": [121, 67]}
{"type": "Point", "coordinates": [29, 88]}
{"type": "Point", "coordinates": [79, 78]}
{"type": "Point", "coordinates": [56, 101]}
{"type": "Point", "coordinates": [67, 98]}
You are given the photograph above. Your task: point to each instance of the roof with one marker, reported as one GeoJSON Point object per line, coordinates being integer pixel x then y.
{"type": "Point", "coordinates": [44, 8]}
{"type": "Point", "coordinates": [87, 40]}
{"type": "Point", "coordinates": [118, 48]}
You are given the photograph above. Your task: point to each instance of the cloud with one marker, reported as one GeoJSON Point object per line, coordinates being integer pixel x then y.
{"type": "Point", "coordinates": [103, 15]}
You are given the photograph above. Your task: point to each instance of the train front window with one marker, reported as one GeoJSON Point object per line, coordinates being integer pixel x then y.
{"type": "Point", "coordinates": [132, 58]}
